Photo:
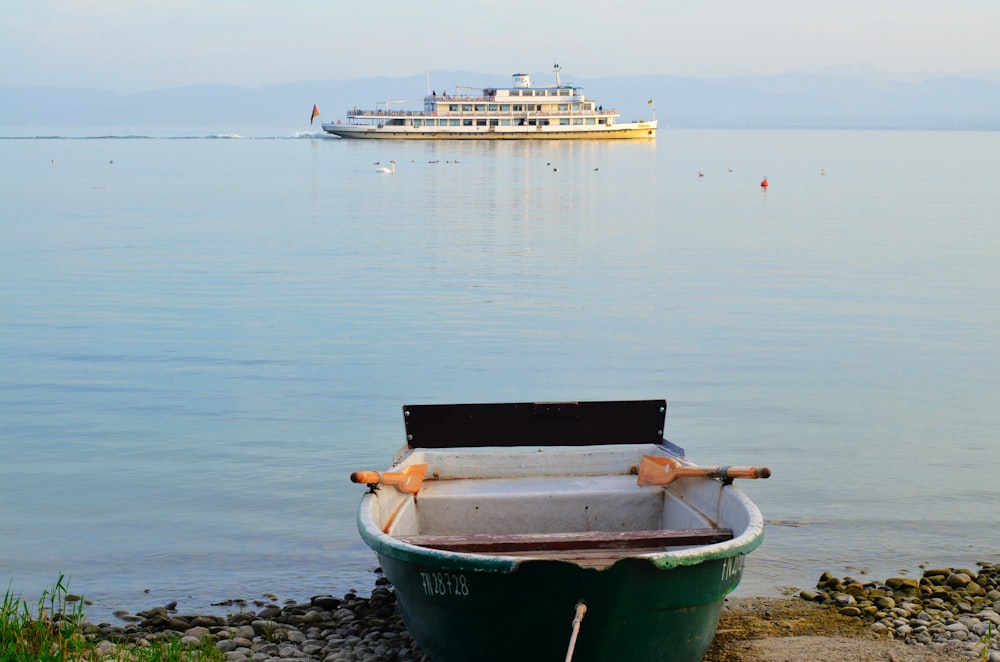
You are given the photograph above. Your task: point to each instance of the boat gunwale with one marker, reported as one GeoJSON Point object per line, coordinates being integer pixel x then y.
{"type": "Point", "coordinates": [743, 542]}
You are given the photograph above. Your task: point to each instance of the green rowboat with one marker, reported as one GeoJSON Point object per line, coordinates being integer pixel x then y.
{"type": "Point", "coordinates": [556, 531]}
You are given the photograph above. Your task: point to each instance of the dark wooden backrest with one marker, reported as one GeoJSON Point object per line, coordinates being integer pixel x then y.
{"type": "Point", "coordinates": [535, 424]}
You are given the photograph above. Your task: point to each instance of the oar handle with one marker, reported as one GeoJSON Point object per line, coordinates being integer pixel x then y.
{"type": "Point", "coordinates": [724, 472]}
{"type": "Point", "coordinates": [408, 480]}
{"type": "Point", "coordinates": [375, 477]}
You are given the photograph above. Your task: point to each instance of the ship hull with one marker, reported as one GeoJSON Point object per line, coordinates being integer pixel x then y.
{"type": "Point", "coordinates": [637, 131]}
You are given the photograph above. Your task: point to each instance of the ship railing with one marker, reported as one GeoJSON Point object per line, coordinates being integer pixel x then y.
{"type": "Point", "coordinates": [354, 112]}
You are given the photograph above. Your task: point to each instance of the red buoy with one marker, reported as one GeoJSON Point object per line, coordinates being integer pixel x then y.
{"type": "Point", "coordinates": [763, 183]}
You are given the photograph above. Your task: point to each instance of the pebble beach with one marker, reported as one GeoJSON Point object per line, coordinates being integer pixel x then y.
{"type": "Point", "coordinates": [945, 614]}
{"type": "Point", "coordinates": [351, 627]}
{"type": "Point", "coordinates": [952, 610]}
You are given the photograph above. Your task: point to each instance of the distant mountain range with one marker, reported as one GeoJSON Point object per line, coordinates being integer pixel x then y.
{"type": "Point", "coordinates": [815, 101]}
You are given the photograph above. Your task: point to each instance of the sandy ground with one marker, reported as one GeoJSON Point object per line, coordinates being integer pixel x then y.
{"type": "Point", "coordinates": [793, 630]}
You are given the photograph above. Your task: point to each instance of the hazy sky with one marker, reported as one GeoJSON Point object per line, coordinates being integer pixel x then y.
{"type": "Point", "coordinates": [135, 45]}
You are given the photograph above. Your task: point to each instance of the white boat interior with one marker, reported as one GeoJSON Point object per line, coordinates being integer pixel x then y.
{"type": "Point", "coordinates": [559, 503]}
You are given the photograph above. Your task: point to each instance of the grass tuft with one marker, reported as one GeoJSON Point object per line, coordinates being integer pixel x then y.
{"type": "Point", "coordinates": [54, 633]}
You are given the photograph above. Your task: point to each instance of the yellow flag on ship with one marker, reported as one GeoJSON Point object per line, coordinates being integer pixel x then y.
{"type": "Point", "coordinates": [315, 113]}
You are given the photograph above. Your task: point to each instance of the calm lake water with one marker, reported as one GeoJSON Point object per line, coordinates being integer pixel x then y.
{"type": "Point", "coordinates": [201, 338]}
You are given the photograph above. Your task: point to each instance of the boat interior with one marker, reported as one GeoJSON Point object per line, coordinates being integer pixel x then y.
{"type": "Point", "coordinates": [569, 502]}
{"type": "Point", "coordinates": [592, 519]}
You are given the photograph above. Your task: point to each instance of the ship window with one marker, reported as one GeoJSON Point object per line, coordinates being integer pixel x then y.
{"type": "Point", "coordinates": [453, 122]}
{"type": "Point", "coordinates": [563, 121]}
{"type": "Point", "coordinates": [518, 107]}
{"type": "Point", "coordinates": [494, 122]}
{"type": "Point", "coordinates": [480, 122]}
{"type": "Point", "coordinates": [453, 107]}
{"type": "Point", "coordinates": [505, 108]}
{"type": "Point", "coordinates": [466, 122]}
{"type": "Point", "coordinates": [591, 120]}
{"type": "Point", "coordinates": [564, 93]}
{"type": "Point", "coordinates": [480, 107]}
{"type": "Point", "coordinates": [492, 108]}
{"type": "Point", "coordinates": [417, 123]}
{"type": "Point", "coordinates": [577, 120]}
{"type": "Point", "coordinates": [514, 93]}
{"type": "Point", "coordinates": [563, 107]}
{"type": "Point", "coordinates": [504, 122]}
{"type": "Point", "coordinates": [466, 107]}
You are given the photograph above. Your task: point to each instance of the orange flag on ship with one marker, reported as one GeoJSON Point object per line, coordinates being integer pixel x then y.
{"type": "Point", "coordinates": [315, 113]}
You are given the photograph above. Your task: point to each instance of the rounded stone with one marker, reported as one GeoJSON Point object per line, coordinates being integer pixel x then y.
{"type": "Point", "coordinates": [958, 580]}
{"type": "Point", "coordinates": [885, 603]}
{"type": "Point", "coordinates": [269, 612]}
{"type": "Point", "coordinates": [197, 632]}
{"type": "Point", "coordinates": [342, 615]}
{"type": "Point", "coordinates": [845, 600]}
{"type": "Point", "coordinates": [105, 649]}
{"type": "Point", "coordinates": [313, 616]}
{"type": "Point", "coordinates": [904, 584]}
{"type": "Point", "coordinates": [226, 645]}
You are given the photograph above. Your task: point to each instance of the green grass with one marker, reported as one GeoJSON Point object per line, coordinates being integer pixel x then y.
{"type": "Point", "coordinates": [53, 633]}
{"type": "Point", "coordinates": [985, 641]}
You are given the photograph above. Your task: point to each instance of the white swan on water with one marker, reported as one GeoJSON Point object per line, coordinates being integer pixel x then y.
{"type": "Point", "coordinates": [387, 171]}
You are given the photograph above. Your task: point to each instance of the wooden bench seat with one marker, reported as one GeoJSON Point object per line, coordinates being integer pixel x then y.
{"type": "Point", "coordinates": [586, 540]}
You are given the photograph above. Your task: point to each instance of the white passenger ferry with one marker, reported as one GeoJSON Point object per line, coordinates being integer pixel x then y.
{"type": "Point", "coordinates": [520, 112]}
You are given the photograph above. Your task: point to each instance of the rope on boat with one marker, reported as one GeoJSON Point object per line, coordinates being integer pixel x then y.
{"type": "Point", "coordinates": [581, 609]}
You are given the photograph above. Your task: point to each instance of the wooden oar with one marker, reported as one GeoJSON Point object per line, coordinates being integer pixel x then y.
{"type": "Point", "coordinates": [655, 470]}
{"type": "Point", "coordinates": [408, 480]}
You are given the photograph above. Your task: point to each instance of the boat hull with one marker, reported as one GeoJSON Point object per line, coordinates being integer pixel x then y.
{"type": "Point", "coordinates": [522, 511]}
{"type": "Point", "coordinates": [635, 610]}
{"type": "Point", "coordinates": [638, 131]}
{"type": "Point", "coordinates": [642, 604]}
